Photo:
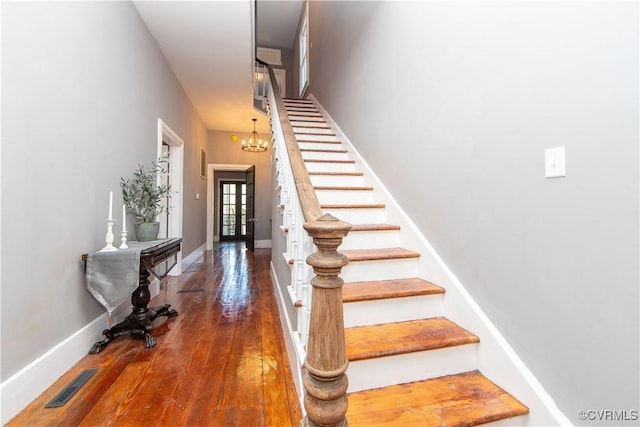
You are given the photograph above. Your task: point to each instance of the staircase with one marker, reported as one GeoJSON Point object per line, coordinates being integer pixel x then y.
{"type": "Point", "coordinates": [409, 365]}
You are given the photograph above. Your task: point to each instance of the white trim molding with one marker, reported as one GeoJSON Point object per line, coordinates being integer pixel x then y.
{"type": "Point", "coordinates": [27, 384]}
{"type": "Point", "coordinates": [495, 357]}
{"type": "Point", "coordinates": [194, 256]}
{"type": "Point", "coordinates": [176, 150]}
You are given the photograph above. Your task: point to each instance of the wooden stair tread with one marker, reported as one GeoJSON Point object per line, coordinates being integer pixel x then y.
{"type": "Point", "coordinates": [303, 114]}
{"type": "Point", "coordinates": [337, 173]}
{"type": "Point", "coordinates": [330, 160]}
{"type": "Point", "coordinates": [297, 101]}
{"type": "Point", "coordinates": [354, 206]}
{"type": "Point", "coordinates": [340, 188]}
{"type": "Point", "coordinates": [310, 127]}
{"type": "Point", "coordinates": [322, 150]}
{"type": "Point", "coordinates": [300, 104]}
{"type": "Point", "coordinates": [315, 141]}
{"type": "Point", "coordinates": [465, 399]}
{"type": "Point", "coordinates": [374, 227]}
{"type": "Point", "coordinates": [302, 110]}
{"type": "Point", "coordinates": [355, 255]}
{"type": "Point", "coordinates": [367, 342]}
{"type": "Point", "coordinates": [314, 134]}
{"type": "Point", "coordinates": [306, 118]}
{"type": "Point", "coordinates": [383, 289]}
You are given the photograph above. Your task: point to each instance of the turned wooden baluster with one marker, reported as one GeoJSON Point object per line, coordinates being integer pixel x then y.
{"type": "Point", "coordinates": [324, 380]}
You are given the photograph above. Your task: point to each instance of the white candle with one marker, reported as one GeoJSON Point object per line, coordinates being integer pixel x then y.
{"type": "Point", "coordinates": [124, 219]}
{"type": "Point", "coordinates": [110, 204]}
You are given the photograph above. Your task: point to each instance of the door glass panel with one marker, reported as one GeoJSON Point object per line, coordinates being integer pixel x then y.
{"type": "Point", "coordinates": [233, 210]}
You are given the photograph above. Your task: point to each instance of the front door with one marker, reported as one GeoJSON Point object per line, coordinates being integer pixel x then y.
{"type": "Point", "coordinates": [233, 217]}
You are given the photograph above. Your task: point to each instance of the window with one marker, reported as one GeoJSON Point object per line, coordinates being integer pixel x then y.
{"type": "Point", "coordinates": [304, 51]}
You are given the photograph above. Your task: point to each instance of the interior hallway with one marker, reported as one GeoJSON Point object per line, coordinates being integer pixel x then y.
{"type": "Point", "coordinates": [221, 362]}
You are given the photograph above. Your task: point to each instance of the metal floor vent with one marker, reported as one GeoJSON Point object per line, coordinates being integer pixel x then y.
{"type": "Point", "coordinates": [70, 390]}
{"type": "Point", "coordinates": [182, 291]}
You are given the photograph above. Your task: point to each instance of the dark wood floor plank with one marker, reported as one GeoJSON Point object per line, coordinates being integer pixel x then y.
{"type": "Point", "coordinates": [221, 362]}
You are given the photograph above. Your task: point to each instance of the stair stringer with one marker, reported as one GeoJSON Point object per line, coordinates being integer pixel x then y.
{"type": "Point", "coordinates": [495, 357]}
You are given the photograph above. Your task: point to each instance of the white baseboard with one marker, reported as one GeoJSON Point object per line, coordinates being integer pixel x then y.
{"type": "Point", "coordinates": [495, 357]}
{"type": "Point", "coordinates": [193, 256]}
{"type": "Point", "coordinates": [27, 384]}
{"type": "Point", "coordinates": [295, 350]}
{"type": "Point", "coordinates": [263, 244]}
{"type": "Point", "coordinates": [31, 381]}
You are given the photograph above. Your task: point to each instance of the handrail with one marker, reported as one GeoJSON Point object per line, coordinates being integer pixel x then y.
{"type": "Point", "coordinates": [308, 199]}
{"type": "Point", "coordinates": [325, 364]}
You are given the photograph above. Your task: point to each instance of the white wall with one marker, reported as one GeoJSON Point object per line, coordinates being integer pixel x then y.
{"type": "Point", "coordinates": [453, 105]}
{"type": "Point", "coordinates": [83, 86]}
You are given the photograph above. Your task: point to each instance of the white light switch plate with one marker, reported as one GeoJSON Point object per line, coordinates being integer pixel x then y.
{"type": "Point", "coordinates": [555, 163]}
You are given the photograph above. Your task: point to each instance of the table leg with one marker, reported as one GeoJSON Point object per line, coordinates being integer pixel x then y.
{"type": "Point", "coordinates": [138, 323]}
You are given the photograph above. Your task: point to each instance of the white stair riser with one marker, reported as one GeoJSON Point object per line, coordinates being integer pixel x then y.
{"type": "Point", "coordinates": [294, 108]}
{"type": "Point", "coordinates": [306, 118]}
{"type": "Point", "coordinates": [325, 180]}
{"type": "Point", "coordinates": [380, 270]}
{"type": "Point", "coordinates": [300, 137]}
{"type": "Point", "coordinates": [318, 131]}
{"type": "Point", "coordinates": [330, 167]}
{"type": "Point", "coordinates": [358, 216]}
{"type": "Point", "coordinates": [404, 368]}
{"type": "Point", "coordinates": [370, 239]}
{"type": "Point", "coordinates": [303, 123]}
{"type": "Point", "coordinates": [324, 156]}
{"type": "Point", "coordinates": [298, 102]}
{"type": "Point", "coordinates": [305, 115]}
{"type": "Point", "coordinates": [344, 196]}
{"type": "Point", "coordinates": [390, 310]}
{"type": "Point", "coordinates": [319, 146]}
{"type": "Point", "coordinates": [290, 107]}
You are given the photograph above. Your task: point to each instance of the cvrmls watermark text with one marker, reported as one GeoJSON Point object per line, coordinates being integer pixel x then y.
{"type": "Point", "coordinates": [608, 415]}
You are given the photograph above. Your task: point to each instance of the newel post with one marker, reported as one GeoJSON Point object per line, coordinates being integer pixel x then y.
{"type": "Point", "coordinates": [324, 379]}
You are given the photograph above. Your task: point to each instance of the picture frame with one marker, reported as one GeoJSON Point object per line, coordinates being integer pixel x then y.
{"type": "Point", "coordinates": [203, 163]}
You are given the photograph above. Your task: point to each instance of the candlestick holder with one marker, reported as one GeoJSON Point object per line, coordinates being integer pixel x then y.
{"type": "Point", "coordinates": [123, 239]}
{"type": "Point", "coordinates": [109, 237]}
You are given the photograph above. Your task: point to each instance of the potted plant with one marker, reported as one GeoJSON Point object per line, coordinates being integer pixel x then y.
{"type": "Point", "coordinates": [146, 199]}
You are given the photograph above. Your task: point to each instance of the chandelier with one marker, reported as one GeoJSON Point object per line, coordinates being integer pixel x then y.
{"type": "Point", "coordinates": [254, 144]}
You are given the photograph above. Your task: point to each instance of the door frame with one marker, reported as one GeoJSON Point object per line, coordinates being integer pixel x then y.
{"type": "Point", "coordinates": [211, 202]}
{"type": "Point", "coordinates": [176, 177]}
{"type": "Point", "coordinates": [218, 202]}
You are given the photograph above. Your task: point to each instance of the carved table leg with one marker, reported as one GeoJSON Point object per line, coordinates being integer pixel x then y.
{"type": "Point", "coordinates": [138, 323]}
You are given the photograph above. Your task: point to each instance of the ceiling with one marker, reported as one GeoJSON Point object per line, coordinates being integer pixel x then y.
{"type": "Point", "coordinates": [209, 48]}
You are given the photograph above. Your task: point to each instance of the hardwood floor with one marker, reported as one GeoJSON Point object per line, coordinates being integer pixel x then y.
{"type": "Point", "coordinates": [221, 362]}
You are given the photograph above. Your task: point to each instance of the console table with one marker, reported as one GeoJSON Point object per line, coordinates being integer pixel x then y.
{"type": "Point", "coordinates": [138, 323]}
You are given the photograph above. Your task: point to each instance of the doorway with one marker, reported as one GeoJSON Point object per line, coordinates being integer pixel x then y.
{"type": "Point", "coordinates": [171, 145]}
{"type": "Point", "coordinates": [233, 210]}
{"type": "Point", "coordinates": [233, 173]}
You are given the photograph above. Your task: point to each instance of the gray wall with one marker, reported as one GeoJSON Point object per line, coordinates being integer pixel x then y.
{"type": "Point", "coordinates": [221, 150]}
{"type": "Point", "coordinates": [83, 85]}
{"type": "Point", "coordinates": [463, 98]}
{"type": "Point", "coordinates": [286, 56]}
